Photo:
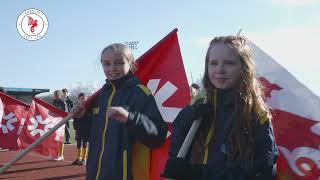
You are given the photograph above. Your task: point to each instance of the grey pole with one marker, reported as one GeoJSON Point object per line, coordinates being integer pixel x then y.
{"type": "Point", "coordinates": [188, 140]}
{"type": "Point", "coordinates": [239, 32]}
{"type": "Point", "coordinates": [34, 144]}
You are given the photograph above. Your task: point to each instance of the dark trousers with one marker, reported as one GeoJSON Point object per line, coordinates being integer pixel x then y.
{"type": "Point", "coordinates": [67, 131]}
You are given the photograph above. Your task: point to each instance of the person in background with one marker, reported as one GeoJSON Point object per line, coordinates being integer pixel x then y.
{"type": "Point", "coordinates": [194, 90]}
{"type": "Point", "coordinates": [59, 103]}
{"type": "Point", "coordinates": [69, 105]}
{"type": "Point", "coordinates": [82, 128]}
{"type": "Point", "coordinates": [196, 97]}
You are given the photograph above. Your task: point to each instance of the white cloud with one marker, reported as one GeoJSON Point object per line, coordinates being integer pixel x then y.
{"type": "Point", "coordinates": [295, 2]}
{"type": "Point", "coordinates": [315, 18]}
{"type": "Point", "coordinates": [290, 44]}
{"type": "Point", "coordinates": [296, 49]}
{"type": "Point", "coordinates": [204, 40]}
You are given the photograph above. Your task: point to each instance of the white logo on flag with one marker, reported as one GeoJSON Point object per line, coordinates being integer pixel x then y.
{"type": "Point", "coordinates": [301, 152]}
{"type": "Point", "coordinates": [48, 124]}
{"type": "Point", "coordinates": [164, 93]}
{"type": "Point", "coordinates": [34, 127]}
{"type": "Point", "coordinates": [10, 120]}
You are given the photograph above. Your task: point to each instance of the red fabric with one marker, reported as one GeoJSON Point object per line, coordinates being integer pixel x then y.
{"type": "Point", "coordinates": [90, 100]}
{"type": "Point", "coordinates": [164, 61]}
{"type": "Point", "coordinates": [298, 146]}
{"type": "Point", "coordinates": [161, 70]}
{"type": "Point", "coordinates": [40, 119]}
{"type": "Point", "coordinates": [293, 135]}
{"type": "Point", "coordinates": [13, 113]}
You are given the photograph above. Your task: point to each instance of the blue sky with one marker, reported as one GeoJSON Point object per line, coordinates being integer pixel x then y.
{"type": "Point", "coordinates": [288, 30]}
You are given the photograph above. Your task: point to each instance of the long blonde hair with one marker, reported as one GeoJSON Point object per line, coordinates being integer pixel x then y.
{"type": "Point", "coordinates": [249, 99]}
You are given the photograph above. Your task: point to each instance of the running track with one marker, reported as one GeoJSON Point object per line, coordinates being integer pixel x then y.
{"type": "Point", "coordinates": [37, 166]}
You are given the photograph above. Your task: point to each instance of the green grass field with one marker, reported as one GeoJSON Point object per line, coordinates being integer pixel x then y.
{"type": "Point", "coordinates": [72, 132]}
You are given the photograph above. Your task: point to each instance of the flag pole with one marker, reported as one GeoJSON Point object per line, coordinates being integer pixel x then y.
{"type": "Point", "coordinates": [239, 32]}
{"type": "Point", "coordinates": [188, 140]}
{"type": "Point", "coordinates": [35, 143]}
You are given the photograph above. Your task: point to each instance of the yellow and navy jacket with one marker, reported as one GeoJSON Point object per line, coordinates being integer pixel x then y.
{"type": "Point", "coordinates": [111, 142]}
{"type": "Point", "coordinates": [213, 164]}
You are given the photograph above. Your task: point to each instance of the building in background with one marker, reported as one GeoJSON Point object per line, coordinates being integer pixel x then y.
{"type": "Point", "coordinates": [23, 94]}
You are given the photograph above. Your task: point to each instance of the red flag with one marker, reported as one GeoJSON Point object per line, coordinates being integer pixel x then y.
{"type": "Point", "coordinates": [161, 70]}
{"type": "Point", "coordinates": [13, 114]}
{"type": "Point", "coordinates": [296, 119]}
{"type": "Point", "coordinates": [40, 119]}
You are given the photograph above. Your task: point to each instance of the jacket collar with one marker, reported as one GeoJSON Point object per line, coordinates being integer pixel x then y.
{"type": "Point", "coordinates": [125, 81]}
{"type": "Point", "coordinates": [225, 97]}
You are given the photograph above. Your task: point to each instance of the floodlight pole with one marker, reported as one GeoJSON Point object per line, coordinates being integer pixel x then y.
{"type": "Point", "coordinates": [132, 44]}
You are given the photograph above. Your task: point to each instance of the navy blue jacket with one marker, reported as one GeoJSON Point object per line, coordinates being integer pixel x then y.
{"type": "Point", "coordinates": [217, 167]}
{"type": "Point", "coordinates": [111, 142]}
{"type": "Point", "coordinates": [59, 103]}
{"type": "Point", "coordinates": [82, 127]}
{"type": "Point", "coordinates": [69, 103]}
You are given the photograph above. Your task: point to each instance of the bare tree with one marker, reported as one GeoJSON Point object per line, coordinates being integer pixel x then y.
{"type": "Point", "coordinates": [87, 88]}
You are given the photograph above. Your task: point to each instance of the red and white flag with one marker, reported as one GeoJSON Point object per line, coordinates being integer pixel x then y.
{"type": "Point", "coordinates": [40, 119]}
{"type": "Point", "coordinates": [161, 70]}
{"type": "Point", "coordinates": [13, 114]}
{"type": "Point", "coordinates": [296, 119]}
